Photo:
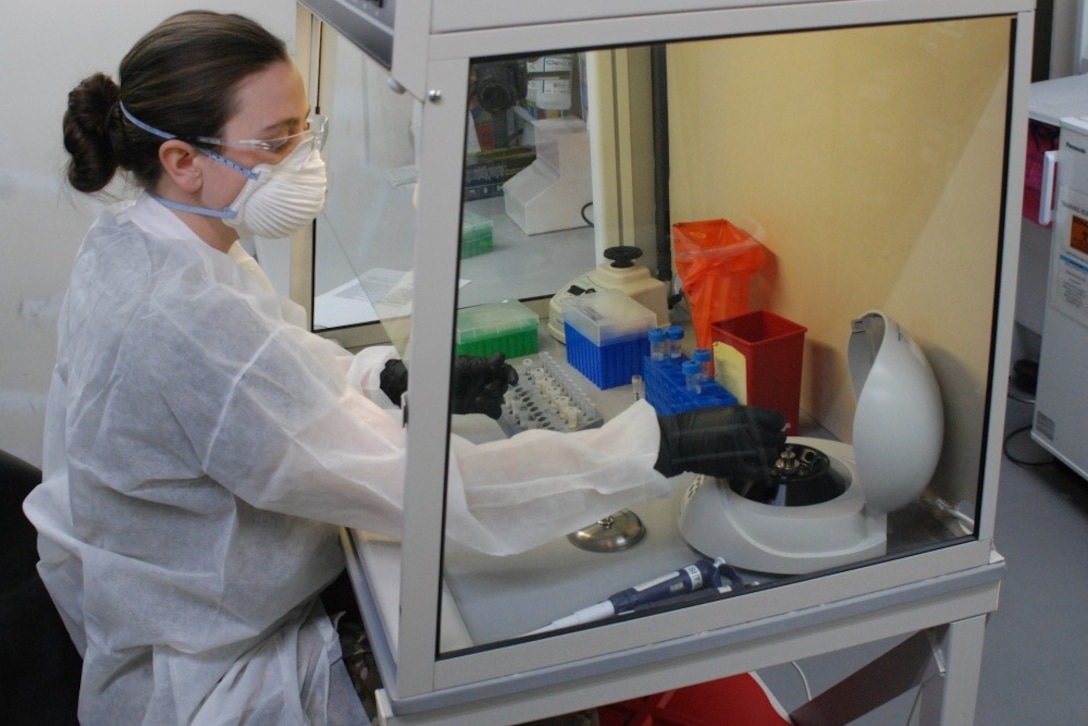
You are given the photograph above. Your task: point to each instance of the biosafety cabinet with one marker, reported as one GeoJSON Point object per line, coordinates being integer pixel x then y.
{"type": "Point", "coordinates": [491, 158]}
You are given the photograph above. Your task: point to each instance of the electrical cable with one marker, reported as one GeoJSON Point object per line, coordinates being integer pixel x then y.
{"type": "Point", "coordinates": [918, 696]}
{"type": "Point", "coordinates": [582, 212]}
{"type": "Point", "coordinates": [804, 680]}
{"type": "Point", "coordinates": [914, 704]}
{"type": "Point", "coordinates": [1022, 462]}
{"type": "Point", "coordinates": [966, 522]}
{"type": "Point", "coordinates": [1022, 390]}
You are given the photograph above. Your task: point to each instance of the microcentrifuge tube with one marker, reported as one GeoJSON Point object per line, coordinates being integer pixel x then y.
{"type": "Point", "coordinates": [703, 357]}
{"type": "Point", "coordinates": [658, 345]}
{"type": "Point", "coordinates": [638, 387]}
{"type": "Point", "coordinates": [693, 376]}
{"type": "Point", "coordinates": [675, 334]}
{"type": "Point", "coordinates": [572, 414]}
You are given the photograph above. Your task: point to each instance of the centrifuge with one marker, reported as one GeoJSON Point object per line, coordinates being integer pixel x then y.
{"type": "Point", "coordinates": [824, 503]}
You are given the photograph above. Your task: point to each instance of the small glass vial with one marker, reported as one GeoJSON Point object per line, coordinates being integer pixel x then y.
{"type": "Point", "coordinates": [703, 357]}
{"type": "Point", "coordinates": [693, 376]}
{"type": "Point", "coordinates": [675, 334]}
{"type": "Point", "coordinates": [638, 387]}
{"type": "Point", "coordinates": [658, 345]}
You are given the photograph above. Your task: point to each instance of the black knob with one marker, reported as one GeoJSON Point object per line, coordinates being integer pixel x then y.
{"type": "Point", "coordinates": [623, 256]}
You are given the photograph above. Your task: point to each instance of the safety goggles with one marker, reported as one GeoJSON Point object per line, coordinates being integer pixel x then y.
{"type": "Point", "coordinates": [315, 133]}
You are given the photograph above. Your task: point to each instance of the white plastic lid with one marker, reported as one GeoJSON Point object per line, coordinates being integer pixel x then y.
{"type": "Point", "coordinates": [899, 421]}
{"type": "Point", "coordinates": [607, 316]}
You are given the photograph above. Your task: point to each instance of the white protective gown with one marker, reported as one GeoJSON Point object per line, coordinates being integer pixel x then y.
{"type": "Point", "coordinates": [201, 450]}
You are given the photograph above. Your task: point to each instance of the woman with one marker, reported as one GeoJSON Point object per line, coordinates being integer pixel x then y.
{"type": "Point", "coordinates": [202, 448]}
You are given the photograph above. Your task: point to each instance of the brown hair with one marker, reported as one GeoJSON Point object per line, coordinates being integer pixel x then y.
{"type": "Point", "coordinates": [179, 78]}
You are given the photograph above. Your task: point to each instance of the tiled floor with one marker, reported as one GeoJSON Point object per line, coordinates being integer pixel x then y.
{"type": "Point", "coordinates": [1037, 642]}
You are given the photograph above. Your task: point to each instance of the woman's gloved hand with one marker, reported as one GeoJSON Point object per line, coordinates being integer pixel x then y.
{"type": "Point", "coordinates": [479, 383]}
{"type": "Point", "coordinates": [721, 441]}
{"type": "Point", "coordinates": [394, 379]}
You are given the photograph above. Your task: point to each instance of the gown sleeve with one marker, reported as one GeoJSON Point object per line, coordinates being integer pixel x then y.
{"type": "Point", "coordinates": [277, 420]}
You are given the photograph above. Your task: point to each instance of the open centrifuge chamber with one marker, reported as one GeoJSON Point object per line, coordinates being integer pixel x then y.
{"type": "Point", "coordinates": [824, 503]}
{"type": "Point", "coordinates": [872, 144]}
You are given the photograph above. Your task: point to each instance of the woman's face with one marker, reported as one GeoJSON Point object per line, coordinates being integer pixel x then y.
{"type": "Point", "coordinates": [270, 104]}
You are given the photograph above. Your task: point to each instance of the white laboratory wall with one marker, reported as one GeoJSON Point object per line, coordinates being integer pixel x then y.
{"type": "Point", "coordinates": [45, 50]}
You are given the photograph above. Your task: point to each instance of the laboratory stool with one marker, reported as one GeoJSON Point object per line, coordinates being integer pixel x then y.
{"type": "Point", "coordinates": [39, 666]}
{"type": "Point", "coordinates": [740, 700]}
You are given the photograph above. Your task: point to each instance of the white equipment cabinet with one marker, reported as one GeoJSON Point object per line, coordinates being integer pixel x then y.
{"type": "Point", "coordinates": [878, 146]}
{"type": "Point", "coordinates": [1061, 416]}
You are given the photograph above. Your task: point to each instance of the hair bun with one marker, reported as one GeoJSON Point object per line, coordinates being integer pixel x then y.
{"type": "Point", "coordinates": [91, 124]}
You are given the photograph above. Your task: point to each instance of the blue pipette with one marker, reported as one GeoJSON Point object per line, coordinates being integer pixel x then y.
{"type": "Point", "coordinates": [686, 579]}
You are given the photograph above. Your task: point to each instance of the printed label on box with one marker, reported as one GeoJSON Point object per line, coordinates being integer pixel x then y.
{"type": "Point", "coordinates": [731, 370]}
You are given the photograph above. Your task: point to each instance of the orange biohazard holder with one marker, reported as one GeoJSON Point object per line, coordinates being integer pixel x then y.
{"type": "Point", "coordinates": [715, 260]}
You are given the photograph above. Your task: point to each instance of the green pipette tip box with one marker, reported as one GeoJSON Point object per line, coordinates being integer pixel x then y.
{"type": "Point", "coordinates": [477, 235]}
{"type": "Point", "coordinates": [507, 327]}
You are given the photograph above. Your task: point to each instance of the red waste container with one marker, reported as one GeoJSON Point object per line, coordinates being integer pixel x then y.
{"type": "Point", "coordinates": [740, 700]}
{"type": "Point", "coordinates": [758, 358]}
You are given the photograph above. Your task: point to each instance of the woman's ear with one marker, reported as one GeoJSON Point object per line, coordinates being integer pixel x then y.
{"type": "Point", "coordinates": [178, 159]}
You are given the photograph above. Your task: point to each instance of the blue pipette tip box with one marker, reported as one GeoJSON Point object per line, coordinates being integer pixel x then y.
{"type": "Point", "coordinates": [606, 336]}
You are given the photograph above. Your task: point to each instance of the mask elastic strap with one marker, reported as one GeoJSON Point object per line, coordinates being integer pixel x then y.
{"type": "Point", "coordinates": [218, 213]}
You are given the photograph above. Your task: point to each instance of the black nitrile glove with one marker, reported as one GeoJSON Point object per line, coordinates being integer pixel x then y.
{"type": "Point", "coordinates": [721, 441]}
{"type": "Point", "coordinates": [480, 383]}
{"type": "Point", "coordinates": [394, 380]}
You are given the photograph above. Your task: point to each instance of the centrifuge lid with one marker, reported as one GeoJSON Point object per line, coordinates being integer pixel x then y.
{"type": "Point", "coordinates": [899, 420]}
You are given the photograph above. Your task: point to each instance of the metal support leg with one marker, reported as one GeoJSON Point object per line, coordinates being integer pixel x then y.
{"type": "Point", "coordinates": [951, 700]}
{"type": "Point", "coordinates": [385, 709]}
{"type": "Point", "coordinates": [912, 662]}
{"type": "Point", "coordinates": [944, 662]}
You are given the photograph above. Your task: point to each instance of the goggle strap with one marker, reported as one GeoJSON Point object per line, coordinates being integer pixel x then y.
{"type": "Point", "coordinates": [142, 126]}
{"type": "Point", "coordinates": [248, 173]}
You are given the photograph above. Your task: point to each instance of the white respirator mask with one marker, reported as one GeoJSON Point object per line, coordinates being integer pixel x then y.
{"type": "Point", "coordinates": [280, 198]}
